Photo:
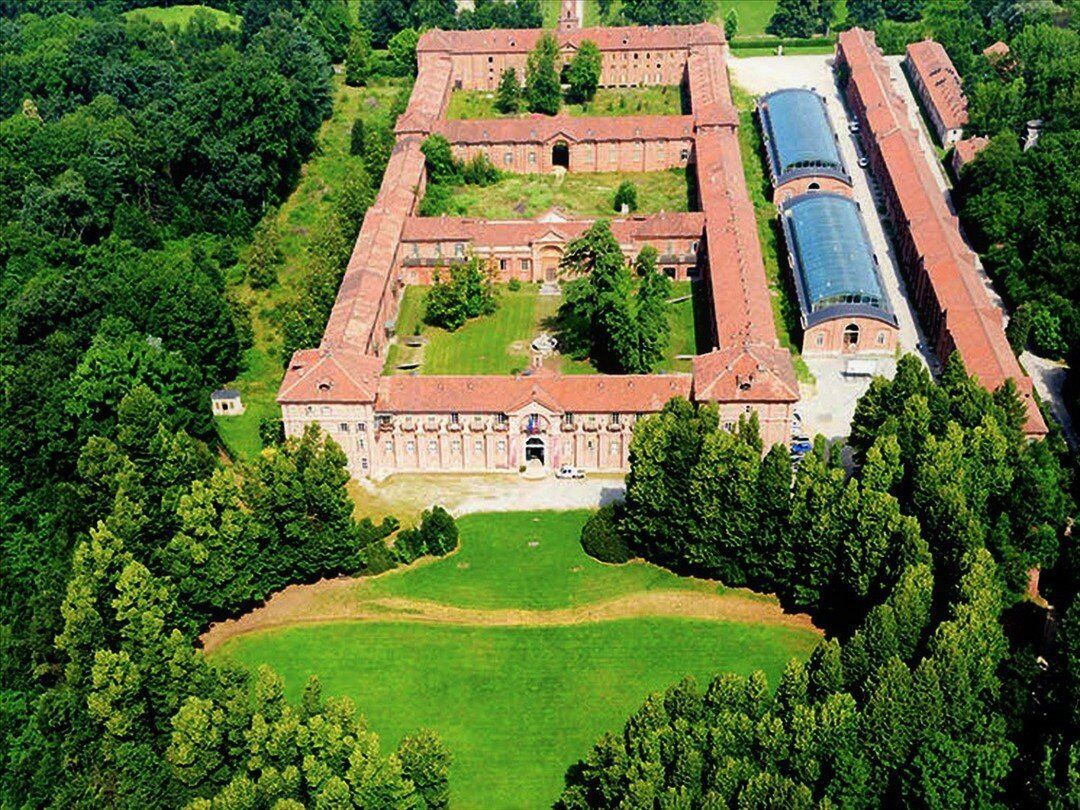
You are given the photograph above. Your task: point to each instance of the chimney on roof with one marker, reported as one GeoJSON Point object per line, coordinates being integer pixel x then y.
{"type": "Point", "coordinates": [1034, 130]}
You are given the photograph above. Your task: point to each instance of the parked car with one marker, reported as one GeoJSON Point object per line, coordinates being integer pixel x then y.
{"type": "Point", "coordinates": [801, 448]}
{"type": "Point", "coordinates": [863, 163]}
{"type": "Point", "coordinates": [853, 126]}
{"type": "Point", "coordinates": [569, 472]}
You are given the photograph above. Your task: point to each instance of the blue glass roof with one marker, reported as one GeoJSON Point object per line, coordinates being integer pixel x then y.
{"type": "Point", "coordinates": [799, 135]}
{"type": "Point", "coordinates": [834, 263]}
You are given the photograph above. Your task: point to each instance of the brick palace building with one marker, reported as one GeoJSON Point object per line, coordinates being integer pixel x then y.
{"type": "Point", "coordinates": [387, 424]}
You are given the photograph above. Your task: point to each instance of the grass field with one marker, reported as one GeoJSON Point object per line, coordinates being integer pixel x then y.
{"type": "Point", "coordinates": [516, 705]}
{"type": "Point", "coordinates": [499, 343]}
{"type": "Point", "coordinates": [785, 306]}
{"type": "Point", "coordinates": [296, 219]}
{"type": "Point", "coordinates": [583, 194]}
{"type": "Point", "coordinates": [181, 15]}
{"type": "Point", "coordinates": [609, 101]}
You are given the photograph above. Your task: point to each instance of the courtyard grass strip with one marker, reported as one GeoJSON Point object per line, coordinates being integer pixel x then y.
{"type": "Point", "coordinates": [581, 194]}
{"type": "Point", "coordinates": [609, 101]}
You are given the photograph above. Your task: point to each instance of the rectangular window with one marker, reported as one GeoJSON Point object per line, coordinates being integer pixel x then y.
{"type": "Point", "coordinates": [568, 419]}
{"type": "Point", "coordinates": [344, 427]}
{"type": "Point", "coordinates": [532, 157]}
{"type": "Point", "coordinates": [509, 158]}
{"type": "Point", "coordinates": [615, 418]}
{"type": "Point", "coordinates": [459, 249]}
{"type": "Point", "coordinates": [454, 418]}
{"type": "Point", "coordinates": [504, 264]}
{"type": "Point", "coordinates": [416, 250]}
{"type": "Point", "coordinates": [361, 427]}
{"type": "Point", "coordinates": [501, 419]}
{"type": "Point", "coordinates": [478, 445]}
{"type": "Point", "coordinates": [526, 265]}
{"type": "Point", "coordinates": [684, 154]}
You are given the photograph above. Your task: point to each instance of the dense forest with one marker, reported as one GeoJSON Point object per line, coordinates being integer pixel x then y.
{"type": "Point", "coordinates": [935, 686]}
{"type": "Point", "coordinates": [135, 162]}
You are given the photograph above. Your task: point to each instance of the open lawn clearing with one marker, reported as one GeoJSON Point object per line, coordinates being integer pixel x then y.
{"type": "Point", "coordinates": [578, 194]}
{"type": "Point", "coordinates": [518, 649]}
{"type": "Point", "coordinates": [754, 16]}
{"type": "Point", "coordinates": [499, 343]}
{"type": "Point", "coordinates": [181, 15]}
{"type": "Point", "coordinates": [609, 101]}
{"type": "Point", "coordinates": [297, 219]}
{"type": "Point", "coordinates": [516, 706]}
{"type": "Point", "coordinates": [512, 568]}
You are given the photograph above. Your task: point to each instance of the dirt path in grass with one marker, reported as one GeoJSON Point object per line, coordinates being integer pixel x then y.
{"type": "Point", "coordinates": [332, 600]}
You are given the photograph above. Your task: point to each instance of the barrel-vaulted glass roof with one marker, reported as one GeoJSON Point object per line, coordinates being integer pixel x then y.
{"type": "Point", "coordinates": [798, 136]}
{"type": "Point", "coordinates": [835, 271]}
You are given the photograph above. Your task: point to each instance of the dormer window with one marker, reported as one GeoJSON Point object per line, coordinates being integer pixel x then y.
{"type": "Point", "coordinates": [324, 385]}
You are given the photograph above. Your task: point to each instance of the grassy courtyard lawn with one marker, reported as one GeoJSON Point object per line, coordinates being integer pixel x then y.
{"type": "Point", "coordinates": [609, 101]}
{"type": "Point", "coordinates": [311, 202]}
{"type": "Point", "coordinates": [499, 343]}
{"type": "Point", "coordinates": [578, 194]}
{"type": "Point", "coordinates": [527, 560]}
{"type": "Point", "coordinates": [181, 15]}
{"type": "Point", "coordinates": [784, 303]}
{"type": "Point", "coordinates": [517, 704]}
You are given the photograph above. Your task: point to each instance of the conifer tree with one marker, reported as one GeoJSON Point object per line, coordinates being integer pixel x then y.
{"type": "Point", "coordinates": [542, 89]}
{"type": "Point", "coordinates": [508, 97]}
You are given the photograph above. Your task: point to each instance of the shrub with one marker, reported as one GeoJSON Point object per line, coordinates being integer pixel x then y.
{"type": "Point", "coordinates": [1046, 336]}
{"type": "Point", "coordinates": [439, 159]}
{"type": "Point", "coordinates": [626, 194]}
{"type": "Point", "coordinates": [479, 171]}
{"type": "Point", "coordinates": [1019, 329]}
{"type": "Point", "coordinates": [271, 431]}
{"type": "Point", "coordinates": [356, 138]}
{"type": "Point", "coordinates": [601, 539]}
{"type": "Point", "coordinates": [438, 531]}
{"type": "Point", "coordinates": [514, 285]}
{"type": "Point", "coordinates": [508, 100]}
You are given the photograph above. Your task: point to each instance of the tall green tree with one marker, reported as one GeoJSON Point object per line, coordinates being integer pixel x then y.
{"type": "Point", "coordinates": [358, 57]}
{"type": "Point", "coordinates": [583, 74]}
{"type": "Point", "coordinates": [792, 18]}
{"type": "Point", "coordinates": [542, 89]}
{"type": "Point", "coordinates": [508, 97]}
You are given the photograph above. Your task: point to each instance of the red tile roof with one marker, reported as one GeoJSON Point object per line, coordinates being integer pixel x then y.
{"type": "Point", "coordinates": [584, 393]}
{"type": "Point", "coordinates": [944, 90]}
{"type": "Point", "coordinates": [544, 128]}
{"type": "Point", "coordinates": [430, 95]}
{"type": "Point", "coordinates": [748, 365]}
{"type": "Point", "coordinates": [522, 40]}
{"type": "Point", "coordinates": [522, 232]}
{"type": "Point", "coordinates": [996, 50]}
{"type": "Point", "coordinates": [330, 376]}
{"type": "Point", "coordinates": [967, 150]}
{"type": "Point", "coordinates": [360, 298]}
{"type": "Point", "coordinates": [973, 325]}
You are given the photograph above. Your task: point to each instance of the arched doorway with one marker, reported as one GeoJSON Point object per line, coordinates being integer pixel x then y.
{"type": "Point", "coordinates": [550, 256]}
{"type": "Point", "coordinates": [560, 155]}
{"type": "Point", "coordinates": [851, 336]}
{"type": "Point", "coordinates": [534, 448]}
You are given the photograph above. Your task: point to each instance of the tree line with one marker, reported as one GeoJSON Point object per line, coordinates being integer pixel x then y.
{"type": "Point", "coordinates": [136, 160]}
{"type": "Point", "coordinates": [926, 690]}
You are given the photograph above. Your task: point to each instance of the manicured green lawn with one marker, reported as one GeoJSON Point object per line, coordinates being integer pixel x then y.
{"type": "Point", "coordinates": [181, 15]}
{"type": "Point", "coordinates": [578, 194]}
{"type": "Point", "coordinates": [609, 101]}
{"type": "Point", "coordinates": [515, 705]}
{"type": "Point", "coordinates": [499, 343]}
{"type": "Point", "coordinates": [493, 344]}
{"type": "Point", "coordinates": [530, 560]}
{"type": "Point", "coordinates": [297, 219]}
{"type": "Point", "coordinates": [785, 306]}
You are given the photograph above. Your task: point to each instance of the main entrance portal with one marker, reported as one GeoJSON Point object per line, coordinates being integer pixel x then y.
{"type": "Point", "coordinates": [534, 448]}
